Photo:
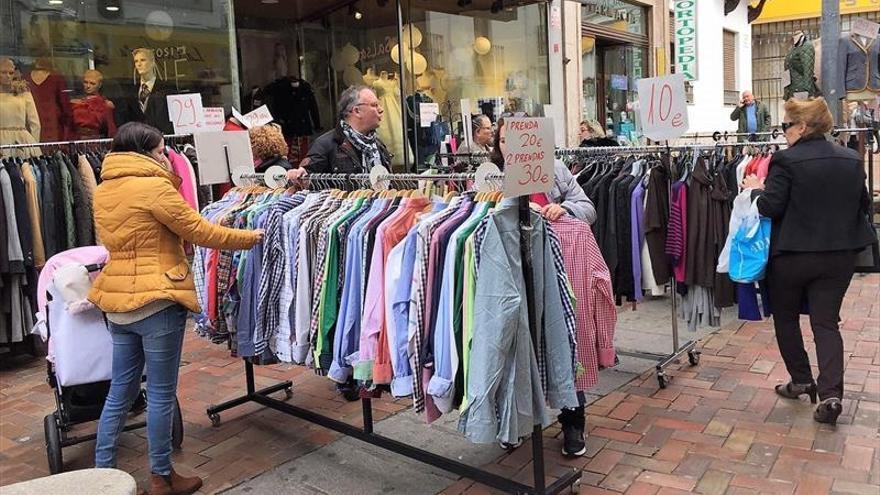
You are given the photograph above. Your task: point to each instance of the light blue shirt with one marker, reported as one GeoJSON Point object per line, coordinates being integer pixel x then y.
{"type": "Point", "coordinates": [752, 118]}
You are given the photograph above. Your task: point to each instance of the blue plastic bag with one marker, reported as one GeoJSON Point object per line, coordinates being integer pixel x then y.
{"type": "Point", "coordinates": [750, 249]}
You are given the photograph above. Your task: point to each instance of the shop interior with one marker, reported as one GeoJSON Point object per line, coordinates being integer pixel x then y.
{"type": "Point", "coordinates": [297, 57]}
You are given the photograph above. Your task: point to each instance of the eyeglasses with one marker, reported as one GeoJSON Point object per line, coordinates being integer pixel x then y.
{"type": "Point", "coordinates": [374, 105]}
{"type": "Point", "coordinates": [786, 126]}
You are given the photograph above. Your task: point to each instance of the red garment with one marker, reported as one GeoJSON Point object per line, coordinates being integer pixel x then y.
{"type": "Point", "coordinates": [211, 276]}
{"type": "Point", "coordinates": [764, 166]}
{"type": "Point", "coordinates": [232, 126]}
{"type": "Point", "coordinates": [53, 106]}
{"type": "Point", "coordinates": [93, 117]}
{"type": "Point", "coordinates": [539, 199]}
{"type": "Point", "coordinates": [595, 312]}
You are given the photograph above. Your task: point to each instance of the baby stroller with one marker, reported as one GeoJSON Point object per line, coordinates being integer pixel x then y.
{"type": "Point", "coordinates": [80, 350]}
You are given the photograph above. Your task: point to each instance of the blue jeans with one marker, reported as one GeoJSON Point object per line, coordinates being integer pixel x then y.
{"type": "Point", "coordinates": [157, 342]}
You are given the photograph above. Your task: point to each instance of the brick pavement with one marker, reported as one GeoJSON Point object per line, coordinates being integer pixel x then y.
{"type": "Point", "coordinates": [717, 429]}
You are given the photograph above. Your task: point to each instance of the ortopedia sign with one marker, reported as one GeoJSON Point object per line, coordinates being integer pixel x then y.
{"type": "Point", "coordinates": [686, 38]}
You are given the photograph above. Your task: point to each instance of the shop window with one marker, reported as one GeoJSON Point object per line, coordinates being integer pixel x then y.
{"type": "Point", "coordinates": [86, 63]}
{"type": "Point", "coordinates": [731, 94]}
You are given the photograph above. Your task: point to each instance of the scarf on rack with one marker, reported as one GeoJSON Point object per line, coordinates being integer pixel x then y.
{"type": "Point", "coordinates": [366, 144]}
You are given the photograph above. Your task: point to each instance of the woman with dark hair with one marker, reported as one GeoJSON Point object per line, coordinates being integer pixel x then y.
{"type": "Point", "coordinates": [816, 197]}
{"type": "Point", "coordinates": [567, 196]}
{"type": "Point", "coordinates": [146, 290]}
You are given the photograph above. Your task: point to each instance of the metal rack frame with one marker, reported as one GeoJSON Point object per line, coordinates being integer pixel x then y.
{"type": "Point", "coordinates": [78, 142]}
{"type": "Point", "coordinates": [366, 432]}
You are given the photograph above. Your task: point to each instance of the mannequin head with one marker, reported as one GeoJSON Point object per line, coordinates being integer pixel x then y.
{"type": "Point", "coordinates": [92, 81]}
{"type": "Point", "coordinates": [7, 73]}
{"type": "Point", "coordinates": [360, 108]}
{"type": "Point", "coordinates": [144, 62]}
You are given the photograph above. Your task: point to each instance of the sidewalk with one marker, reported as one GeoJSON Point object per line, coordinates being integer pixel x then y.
{"type": "Point", "coordinates": [717, 428]}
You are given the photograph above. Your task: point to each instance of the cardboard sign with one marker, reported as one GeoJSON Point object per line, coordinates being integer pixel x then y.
{"type": "Point", "coordinates": [428, 113]}
{"type": "Point", "coordinates": [186, 113]}
{"type": "Point", "coordinates": [528, 155]}
{"type": "Point", "coordinates": [260, 116]}
{"type": "Point", "coordinates": [215, 119]}
{"type": "Point", "coordinates": [220, 152]}
{"type": "Point", "coordinates": [864, 27]}
{"type": "Point", "coordinates": [663, 107]}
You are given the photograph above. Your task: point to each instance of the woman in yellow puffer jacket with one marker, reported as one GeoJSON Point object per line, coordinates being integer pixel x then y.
{"type": "Point", "coordinates": [146, 290]}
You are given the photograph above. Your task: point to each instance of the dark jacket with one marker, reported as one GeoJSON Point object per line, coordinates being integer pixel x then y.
{"type": "Point", "coordinates": [128, 108]}
{"type": "Point", "coordinates": [816, 197]}
{"type": "Point", "coordinates": [762, 115]}
{"type": "Point", "coordinates": [274, 161]}
{"type": "Point", "coordinates": [860, 67]}
{"type": "Point", "coordinates": [332, 153]}
{"type": "Point", "coordinates": [800, 63]}
{"type": "Point", "coordinates": [596, 142]}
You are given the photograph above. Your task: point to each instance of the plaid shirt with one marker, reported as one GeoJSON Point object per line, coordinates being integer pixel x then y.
{"type": "Point", "coordinates": [595, 311]}
{"type": "Point", "coordinates": [417, 299]}
{"type": "Point", "coordinates": [568, 303]}
{"type": "Point", "coordinates": [301, 262]}
{"type": "Point", "coordinates": [320, 261]}
{"type": "Point", "coordinates": [272, 274]}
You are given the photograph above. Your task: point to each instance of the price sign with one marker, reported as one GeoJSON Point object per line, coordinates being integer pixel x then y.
{"type": "Point", "coordinates": [528, 155]}
{"type": "Point", "coordinates": [864, 27]}
{"type": "Point", "coordinates": [428, 113]}
{"type": "Point", "coordinates": [186, 113]}
{"type": "Point", "coordinates": [215, 119]}
{"type": "Point", "coordinates": [260, 116]}
{"type": "Point", "coordinates": [220, 153]}
{"type": "Point", "coordinates": [663, 107]}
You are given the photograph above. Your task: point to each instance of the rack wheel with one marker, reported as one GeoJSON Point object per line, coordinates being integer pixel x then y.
{"type": "Point", "coordinates": [662, 379]}
{"type": "Point", "coordinates": [288, 393]}
{"type": "Point", "coordinates": [177, 426]}
{"type": "Point", "coordinates": [215, 419]}
{"type": "Point", "coordinates": [53, 444]}
{"type": "Point", "coordinates": [694, 357]}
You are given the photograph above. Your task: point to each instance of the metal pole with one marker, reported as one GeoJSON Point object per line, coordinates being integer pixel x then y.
{"type": "Point", "coordinates": [830, 32]}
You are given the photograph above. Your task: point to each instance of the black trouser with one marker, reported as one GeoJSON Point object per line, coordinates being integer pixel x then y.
{"type": "Point", "coordinates": [823, 278]}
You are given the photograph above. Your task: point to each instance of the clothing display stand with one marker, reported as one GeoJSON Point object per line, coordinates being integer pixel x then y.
{"type": "Point", "coordinates": [79, 142]}
{"type": "Point", "coordinates": [366, 433]}
{"type": "Point", "coordinates": [689, 347]}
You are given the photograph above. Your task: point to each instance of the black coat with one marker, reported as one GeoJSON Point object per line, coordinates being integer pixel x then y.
{"type": "Point", "coordinates": [332, 153]}
{"type": "Point", "coordinates": [815, 195]}
{"type": "Point", "coordinates": [128, 107]}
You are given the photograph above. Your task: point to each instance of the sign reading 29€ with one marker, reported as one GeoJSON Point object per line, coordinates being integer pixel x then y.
{"type": "Point", "coordinates": [528, 149]}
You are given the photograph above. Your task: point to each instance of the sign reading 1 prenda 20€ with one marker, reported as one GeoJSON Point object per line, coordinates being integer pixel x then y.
{"type": "Point", "coordinates": [686, 39]}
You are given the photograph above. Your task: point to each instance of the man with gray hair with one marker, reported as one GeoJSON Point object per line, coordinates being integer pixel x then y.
{"type": "Point", "coordinates": [352, 146]}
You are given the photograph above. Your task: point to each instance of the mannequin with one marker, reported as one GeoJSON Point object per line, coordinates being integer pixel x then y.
{"type": "Point", "coordinates": [391, 129]}
{"type": "Point", "coordinates": [800, 62]}
{"type": "Point", "coordinates": [93, 114]}
{"type": "Point", "coordinates": [144, 100]}
{"type": "Point", "coordinates": [19, 120]}
{"type": "Point", "coordinates": [53, 104]}
{"type": "Point", "coordinates": [859, 74]}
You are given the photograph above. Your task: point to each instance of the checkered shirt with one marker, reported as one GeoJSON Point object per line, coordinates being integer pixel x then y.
{"type": "Point", "coordinates": [568, 300]}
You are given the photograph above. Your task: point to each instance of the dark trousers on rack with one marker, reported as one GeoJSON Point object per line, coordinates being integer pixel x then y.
{"type": "Point", "coordinates": [823, 278]}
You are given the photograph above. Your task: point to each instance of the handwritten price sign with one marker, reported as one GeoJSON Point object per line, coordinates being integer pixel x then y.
{"type": "Point", "coordinates": [186, 113]}
{"type": "Point", "coordinates": [663, 107]}
{"type": "Point", "coordinates": [259, 116]}
{"type": "Point", "coordinates": [528, 156]}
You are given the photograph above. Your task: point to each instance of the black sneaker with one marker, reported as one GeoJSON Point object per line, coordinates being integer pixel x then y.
{"type": "Point", "coordinates": [828, 411]}
{"type": "Point", "coordinates": [574, 442]}
{"type": "Point", "coordinates": [350, 390]}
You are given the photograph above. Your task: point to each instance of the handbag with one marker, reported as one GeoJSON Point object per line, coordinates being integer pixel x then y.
{"type": "Point", "coordinates": [750, 248]}
{"type": "Point", "coordinates": [868, 258]}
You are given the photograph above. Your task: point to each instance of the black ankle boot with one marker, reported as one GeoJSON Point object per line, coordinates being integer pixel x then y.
{"type": "Point", "coordinates": [573, 423]}
{"type": "Point", "coordinates": [793, 390]}
{"type": "Point", "coordinates": [828, 411]}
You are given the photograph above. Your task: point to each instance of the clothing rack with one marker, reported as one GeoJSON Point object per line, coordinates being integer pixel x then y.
{"type": "Point", "coordinates": [366, 432]}
{"type": "Point", "coordinates": [689, 347]}
{"type": "Point", "coordinates": [78, 142]}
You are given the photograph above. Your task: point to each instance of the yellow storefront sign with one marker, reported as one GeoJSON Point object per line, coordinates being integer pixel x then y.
{"type": "Point", "coordinates": [790, 10]}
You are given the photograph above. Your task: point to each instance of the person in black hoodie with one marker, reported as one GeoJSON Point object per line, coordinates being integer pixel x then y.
{"type": "Point", "coordinates": [816, 197]}
{"type": "Point", "coordinates": [269, 148]}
